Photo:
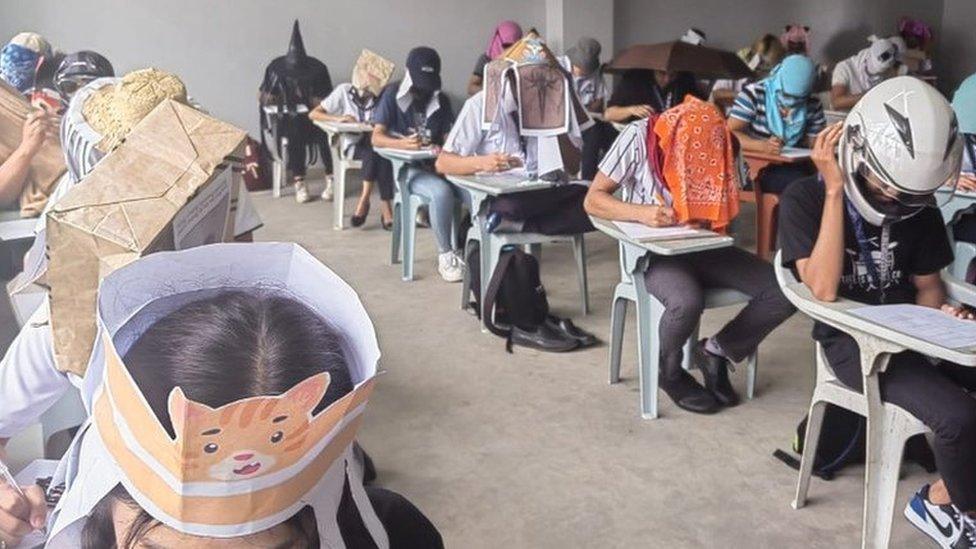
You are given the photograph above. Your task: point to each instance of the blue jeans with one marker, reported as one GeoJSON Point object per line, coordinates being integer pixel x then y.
{"type": "Point", "coordinates": [444, 198]}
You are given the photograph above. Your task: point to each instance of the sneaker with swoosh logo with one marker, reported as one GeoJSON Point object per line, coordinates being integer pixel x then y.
{"type": "Point", "coordinates": [945, 524]}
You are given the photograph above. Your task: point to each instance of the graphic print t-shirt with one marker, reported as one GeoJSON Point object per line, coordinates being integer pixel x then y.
{"type": "Point", "coordinates": [917, 246]}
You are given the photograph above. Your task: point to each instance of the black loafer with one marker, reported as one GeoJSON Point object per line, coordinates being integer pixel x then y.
{"type": "Point", "coordinates": [715, 372]}
{"type": "Point", "coordinates": [567, 328]}
{"type": "Point", "coordinates": [543, 338]}
{"type": "Point", "coordinates": [688, 395]}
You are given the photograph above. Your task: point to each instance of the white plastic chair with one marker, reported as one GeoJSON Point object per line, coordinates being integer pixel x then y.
{"type": "Point", "coordinates": [533, 243]}
{"type": "Point", "coordinates": [965, 253]}
{"type": "Point", "coordinates": [404, 230]}
{"type": "Point", "coordinates": [341, 165]}
{"type": "Point", "coordinates": [631, 288]}
{"type": "Point", "coordinates": [279, 161]}
{"type": "Point", "coordinates": [888, 426]}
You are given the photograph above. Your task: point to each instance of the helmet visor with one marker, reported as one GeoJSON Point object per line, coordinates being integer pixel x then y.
{"type": "Point", "coordinates": [893, 202]}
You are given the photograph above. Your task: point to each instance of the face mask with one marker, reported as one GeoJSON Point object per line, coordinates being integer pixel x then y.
{"type": "Point", "coordinates": [420, 97]}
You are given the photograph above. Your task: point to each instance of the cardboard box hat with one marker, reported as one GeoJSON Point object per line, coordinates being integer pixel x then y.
{"type": "Point", "coordinates": [167, 186]}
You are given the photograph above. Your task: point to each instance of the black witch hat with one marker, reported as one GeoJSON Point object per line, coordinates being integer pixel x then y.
{"type": "Point", "coordinates": [296, 55]}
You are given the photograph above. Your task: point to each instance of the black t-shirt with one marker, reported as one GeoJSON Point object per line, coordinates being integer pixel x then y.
{"type": "Point", "coordinates": [917, 246]}
{"type": "Point", "coordinates": [638, 87]}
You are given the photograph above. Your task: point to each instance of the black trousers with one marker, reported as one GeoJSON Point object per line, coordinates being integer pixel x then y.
{"type": "Point", "coordinates": [554, 211]}
{"type": "Point", "coordinates": [596, 142]}
{"type": "Point", "coordinates": [937, 394]}
{"type": "Point", "coordinates": [775, 179]}
{"type": "Point", "coordinates": [375, 168]}
{"type": "Point", "coordinates": [300, 133]}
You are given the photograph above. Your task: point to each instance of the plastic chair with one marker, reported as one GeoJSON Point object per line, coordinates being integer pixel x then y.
{"type": "Point", "coordinates": [404, 230]}
{"type": "Point", "coordinates": [341, 164]}
{"type": "Point", "coordinates": [533, 243]}
{"type": "Point", "coordinates": [279, 161]}
{"type": "Point", "coordinates": [649, 312]}
{"type": "Point", "coordinates": [888, 426]}
{"type": "Point", "coordinates": [965, 253]}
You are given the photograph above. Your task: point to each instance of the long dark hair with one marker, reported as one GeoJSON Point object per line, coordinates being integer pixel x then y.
{"type": "Point", "coordinates": [219, 350]}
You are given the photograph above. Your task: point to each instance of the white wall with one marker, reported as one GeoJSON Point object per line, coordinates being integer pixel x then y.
{"type": "Point", "coordinates": [220, 47]}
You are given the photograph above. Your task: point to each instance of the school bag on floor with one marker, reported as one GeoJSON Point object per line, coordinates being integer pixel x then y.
{"type": "Point", "coordinates": [842, 442]}
{"type": "Point", "coordinates": [515, 295]}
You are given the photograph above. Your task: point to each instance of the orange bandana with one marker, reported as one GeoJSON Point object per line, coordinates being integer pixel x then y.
{"type": "Point", "coordinates": [697, 163]}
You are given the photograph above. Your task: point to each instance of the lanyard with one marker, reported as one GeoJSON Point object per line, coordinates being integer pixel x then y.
{"type": "Point", "coordinates": [879, 274]}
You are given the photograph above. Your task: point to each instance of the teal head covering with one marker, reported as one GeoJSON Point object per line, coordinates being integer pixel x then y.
{"type": "Point", "coordinates": [788, 87]}
{"type": "Point", "coordinates": [964, 103]}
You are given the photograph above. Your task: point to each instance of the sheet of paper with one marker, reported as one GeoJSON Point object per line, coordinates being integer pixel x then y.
{"type": "Point", "coordinates": [40, 472]}
{"type": "Point", "coordinates": [273, 109]}
{"type": "Point", "coordinates": [202, 221]}
{"type": "Point", "coordinates": [795, 152]}
{"type": "Point", "coordinates": [924, 323]}
{"type": "Point", "coordinates": [641, 232]}
{"type": "Point", "coordinates": [17, 229]}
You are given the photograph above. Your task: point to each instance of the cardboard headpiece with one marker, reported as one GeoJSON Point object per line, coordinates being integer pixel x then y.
{"type": "Point", "coordinates": [242, 480]}
{"type": "Point", "coordinates": [372, 72]}
{"type": "Point", "coordinates": [530, 78]}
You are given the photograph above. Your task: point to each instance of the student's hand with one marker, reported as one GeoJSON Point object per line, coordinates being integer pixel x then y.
{"type": "Point", "coordinates": [496, 162]}
{"type": "Point", "coordinates": [21, 515]}
{"type": "Point", "coordinates": [658, 216]}
{"type": "Point", "coordinates": [38, 126]}
{"type": "Point", "coordinates": [958, 312]}
{"type": "Point", "coordinates": [825, 158]}
{"type": "Point", "coordinates": [967, 182]}
{"type": "Point", "coordinates": [640, 111]}
{"type": "Point", "coordinates": [347, 118]}
{"type": "Point", "coordinates": [773, 145]}
{"type": "Point", "coordinates": [409, 143]}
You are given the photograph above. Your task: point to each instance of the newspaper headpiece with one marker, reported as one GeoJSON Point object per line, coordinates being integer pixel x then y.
{"type": "Point", "coordinates": [248, 478]}
{"type": "Point", "coordinates": [372, 72]}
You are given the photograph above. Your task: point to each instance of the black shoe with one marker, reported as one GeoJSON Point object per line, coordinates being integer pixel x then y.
{"type": "Point", "coordinates": [358, 220]}
{"type": "Point", "coordinates": [543, 338]}
{"type": "Point", "coordinates": [687, 394]}
{"type": "Point", "coordinates": [715, 372]}
{"type": "Point", "coordinates": [570, 330]}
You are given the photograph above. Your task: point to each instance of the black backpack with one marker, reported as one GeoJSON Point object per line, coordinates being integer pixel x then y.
{"type": "Point", "coordinates": [842, 442]}
{"type": "Point", "coordinates": [515, 295]}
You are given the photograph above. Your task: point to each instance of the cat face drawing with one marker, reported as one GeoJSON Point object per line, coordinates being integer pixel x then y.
{"type": "Point", "coordinates": [247, 438]}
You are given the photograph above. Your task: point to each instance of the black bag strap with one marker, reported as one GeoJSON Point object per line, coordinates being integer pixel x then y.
{"type": "Point", "coordinates": [491, 296]}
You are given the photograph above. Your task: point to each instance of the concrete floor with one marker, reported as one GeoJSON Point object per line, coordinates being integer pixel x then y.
{"type": "Point", "coordinates": [537, 450]}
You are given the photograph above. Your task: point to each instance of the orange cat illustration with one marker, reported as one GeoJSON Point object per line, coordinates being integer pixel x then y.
{"type": "Point", "coordinates": [248, 438]}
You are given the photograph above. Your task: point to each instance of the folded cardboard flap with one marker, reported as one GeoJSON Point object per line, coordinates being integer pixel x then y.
{"type": "Point", "coordinates": [125, 208]}
{"type": "Point", "coordinates": [46, 167]}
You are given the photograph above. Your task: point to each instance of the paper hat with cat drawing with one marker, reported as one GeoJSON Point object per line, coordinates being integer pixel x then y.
{"type": "Point", "coordinates": [545, 97]}
{"type": "Point", "coordinates": [236, 469]}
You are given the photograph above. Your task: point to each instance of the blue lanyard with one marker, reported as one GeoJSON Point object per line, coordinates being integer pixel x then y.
{"type": "Point", "coordinates": [878, 276]}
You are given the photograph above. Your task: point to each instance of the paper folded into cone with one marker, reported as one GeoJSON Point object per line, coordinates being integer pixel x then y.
{"type": "Point", "coordinates": [168, 186]}
{"type": "Point", "coordinates": [46, 167]}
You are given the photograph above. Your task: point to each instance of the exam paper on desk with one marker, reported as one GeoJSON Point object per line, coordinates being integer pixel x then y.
{"type": "Point", "coordinates": [795, 152]}
{"type": "Point", "coordinates": [925, 323]}
{"type": "Point", "coordinates": [641, 232]}
{"type": "Point", "coordinates": [39, 472]}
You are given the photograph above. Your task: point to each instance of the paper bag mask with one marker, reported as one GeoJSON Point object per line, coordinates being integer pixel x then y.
{"type": "Point", "coordinates": [250, 464]}
{"type": "Point", "coordinates": [372, 72]}
{"type": "Point", "coordinates": [46, 167]}
{"type": "Point", "coordinates": [168, 186]}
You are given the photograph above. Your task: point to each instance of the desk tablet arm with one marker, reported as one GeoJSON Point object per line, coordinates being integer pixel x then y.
{"type": "Point", "coordinates": [959, 291]}
{"type": "Point", "coordinates": [875, 342]}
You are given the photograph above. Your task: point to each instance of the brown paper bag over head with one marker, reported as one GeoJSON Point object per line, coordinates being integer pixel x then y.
{"type": "Point", "coordinates": [167, 186]}
{"type": "Point", "coordinates": [46, 167]}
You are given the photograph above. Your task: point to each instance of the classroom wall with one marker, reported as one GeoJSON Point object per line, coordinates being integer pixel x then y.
{"type": "Point", "coordinates": [220, 47]}
{"type": "Point", "coordinates": [839, 27]}
{"type": "Point", "coordinates": [956, 52]}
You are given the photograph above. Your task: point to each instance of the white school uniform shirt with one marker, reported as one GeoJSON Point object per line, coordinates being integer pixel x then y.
{"type": "Point", "coordinates": [852, 73]}
{"type": "Point", "coordinates": [467, 138]}
{"type": "Point", "coordinates": [340, 103]}
{"type": "Point", "coordinates": [29, 377]}
{"type": "Point", "coordinates": [591, 88]}
{"type": "Point", "coordinates": [626, 164]}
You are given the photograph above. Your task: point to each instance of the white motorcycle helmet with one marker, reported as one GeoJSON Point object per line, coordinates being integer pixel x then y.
{"type": "Point", "coordinates": [900, 144]}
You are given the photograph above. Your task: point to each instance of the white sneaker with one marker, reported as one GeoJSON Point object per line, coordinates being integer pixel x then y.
{"type": "Point", "coordinates": [328, 193]}
{"type": "Point", "coordinates": [945, 524]}
{"type": "Point", "coordinates": [301, 192]}
{"type": "Point", "coordinates": [450, 266]}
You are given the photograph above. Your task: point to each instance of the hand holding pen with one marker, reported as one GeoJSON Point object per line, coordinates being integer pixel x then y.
{"type": "Point", "coordinates": [22, 510]}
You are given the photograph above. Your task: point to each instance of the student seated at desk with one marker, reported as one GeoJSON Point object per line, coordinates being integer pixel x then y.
{"type": "Point", "coordinates": [593, 94]}
{"type": "Point", "coordinates": [506, 34]}
{"type": "Point", "coordinates": [865, 229]}
{"type": "Point", "coordinates": [658, 163]}
{"type": "Point", "coordinates": [641, 92]}
{"type": "Point", "coordinates": [857, 74]}
{"type": "Point", "coordinates": [39, 126]}
{"type": "Point", "coordinates": [779, 111]}
{"type": "Point", "coordinates": [356, 102]}
{"type": "Point", "coordinates": [916, 36]}
{"type": "Point", "coordinates": [412, 114]}
{"type": "Point", "coordinates": [764, 54]}
{"type": "Point", "coordinates": [246, 394]}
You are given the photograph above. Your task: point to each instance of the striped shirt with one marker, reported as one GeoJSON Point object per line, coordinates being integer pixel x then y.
{"type": "Point", "coordinates": [626, 165]}
{"type": "Point", "coordinates": [750, 106]}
